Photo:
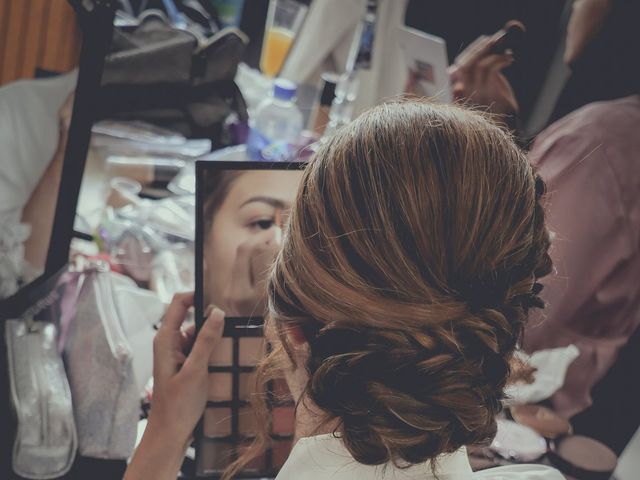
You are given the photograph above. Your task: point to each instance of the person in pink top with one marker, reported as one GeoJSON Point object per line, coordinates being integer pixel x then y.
{"type": "Point", "coordinates": [590, 160]}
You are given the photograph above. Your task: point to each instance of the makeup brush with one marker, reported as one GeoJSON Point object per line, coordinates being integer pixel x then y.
{"type": "Point", "coordinates": [278, 225]}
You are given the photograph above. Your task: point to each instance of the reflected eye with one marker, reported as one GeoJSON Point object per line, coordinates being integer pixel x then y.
{"type": "Point", "coordinates": [264, 224]}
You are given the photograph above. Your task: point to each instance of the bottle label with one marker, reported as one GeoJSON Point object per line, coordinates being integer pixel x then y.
{"type": "Point", "coordinates": [229, 12]}
{"type": "Point", "coordinates": [262, 148]}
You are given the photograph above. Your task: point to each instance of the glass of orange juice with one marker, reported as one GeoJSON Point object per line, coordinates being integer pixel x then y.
{"type": "Point", "coordinates": [284, 20]}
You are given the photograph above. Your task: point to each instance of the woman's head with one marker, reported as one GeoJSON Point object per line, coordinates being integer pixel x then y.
{"type": "Point", "coordinates": [240, 212]}
{"type": "Point", "coordinates": [408, 268]}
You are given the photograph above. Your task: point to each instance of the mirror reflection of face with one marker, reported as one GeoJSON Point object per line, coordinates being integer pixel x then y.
{"type": "Point", "coordinates": [586, 20]}
{"type": "Point", "coordinates": [244, 238]}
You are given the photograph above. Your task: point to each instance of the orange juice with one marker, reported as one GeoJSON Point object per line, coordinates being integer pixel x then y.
{"type": "Point", "coordinates": [277, 42]}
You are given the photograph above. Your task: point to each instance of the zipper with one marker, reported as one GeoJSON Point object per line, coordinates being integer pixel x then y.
{"type": "Point", "coordinates": [32, 337]}
{"type": "Point", "coordinates": [109, 316]}
{"type": "Point", "coordinates": [118, 343]}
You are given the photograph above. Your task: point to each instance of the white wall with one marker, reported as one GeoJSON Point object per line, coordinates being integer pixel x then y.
{"type": "Point", "coordinates": [629, 463]}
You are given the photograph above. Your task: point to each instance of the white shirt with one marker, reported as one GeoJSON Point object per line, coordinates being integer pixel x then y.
{"type": "Point", "coordinates": [325, 456]}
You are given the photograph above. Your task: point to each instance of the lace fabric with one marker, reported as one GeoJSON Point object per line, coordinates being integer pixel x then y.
{"type": "Point", "coordinates": [14, 270]}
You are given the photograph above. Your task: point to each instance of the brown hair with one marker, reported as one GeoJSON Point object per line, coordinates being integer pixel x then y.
{"type": "Point", "coordinates": [216, 186]}
{"type": "Point", "coordinates": [410, 263]}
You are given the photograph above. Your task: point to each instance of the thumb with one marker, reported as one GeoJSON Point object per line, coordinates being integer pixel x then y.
{"type": "Point", "coordinates": [207, 339]}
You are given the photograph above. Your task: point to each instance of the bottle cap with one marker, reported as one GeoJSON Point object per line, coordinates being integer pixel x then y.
{"type": "Point", "coordinates": [284, 89]}
{"type": "Point", "coordinates": [329, 83]}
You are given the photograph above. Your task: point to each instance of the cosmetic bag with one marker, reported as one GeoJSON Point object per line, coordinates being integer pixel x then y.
{"type": "Point", "coordinates": [108, 355]}
{"type": "Point", "coordinates": [176, 78]}
{"type": "Point", "coordinates": [45, 442]}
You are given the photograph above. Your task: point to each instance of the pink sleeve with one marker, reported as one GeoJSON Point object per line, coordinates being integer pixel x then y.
{"type": "Point", "coordinates": [587, 218]}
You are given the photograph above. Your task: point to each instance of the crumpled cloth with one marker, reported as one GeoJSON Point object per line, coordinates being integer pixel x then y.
{"type": "Point", "coordinates": [551, 368]}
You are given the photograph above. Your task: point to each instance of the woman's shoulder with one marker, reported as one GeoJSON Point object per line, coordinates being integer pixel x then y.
{"type": "Point", "coordinates": [325, 456]}
{"type": "Point", "coordinates": [519, 472]}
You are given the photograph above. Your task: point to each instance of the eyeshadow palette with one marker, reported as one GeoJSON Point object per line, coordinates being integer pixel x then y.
{"type": "Point", "coordinates": [240, 207]}
{"type": "Point", "coordinates": [229, 424]}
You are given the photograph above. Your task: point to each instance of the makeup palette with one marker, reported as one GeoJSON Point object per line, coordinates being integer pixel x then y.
{"type": "Point", "coordinates": [582, 458]}
{"type": "Point", "coordinates": [229, 423]}
{"type": "Point", "coordinates": [523, 441]}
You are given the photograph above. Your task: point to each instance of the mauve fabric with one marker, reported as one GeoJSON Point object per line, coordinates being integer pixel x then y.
{"type": "Point", "coordinates": [590, 160]}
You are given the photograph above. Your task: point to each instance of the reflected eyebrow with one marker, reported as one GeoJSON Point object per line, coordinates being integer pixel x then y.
{"type": "Point", "coordinates": [274, 202]}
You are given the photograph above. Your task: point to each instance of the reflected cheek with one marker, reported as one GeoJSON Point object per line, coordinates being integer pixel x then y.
{"type": "Point", "coordinates": [220, 256]}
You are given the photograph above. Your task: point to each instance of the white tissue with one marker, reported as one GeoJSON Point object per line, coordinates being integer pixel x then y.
{"type": "Point", "coordinates": [551, 368]}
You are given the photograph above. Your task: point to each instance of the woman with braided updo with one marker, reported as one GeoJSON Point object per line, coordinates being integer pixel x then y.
{"type": "Point", "coordinates": [408, 268]}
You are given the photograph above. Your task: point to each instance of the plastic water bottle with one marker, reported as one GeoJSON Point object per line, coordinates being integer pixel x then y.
{"type": "Point", "coordinates": [229, 12]}
{"type": "Point", "coordinates": [276, 125]}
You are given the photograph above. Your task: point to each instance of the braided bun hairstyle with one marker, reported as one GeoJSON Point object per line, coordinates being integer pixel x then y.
{"type": "Point", "coordinates": [410, 263]}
